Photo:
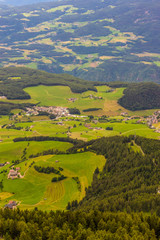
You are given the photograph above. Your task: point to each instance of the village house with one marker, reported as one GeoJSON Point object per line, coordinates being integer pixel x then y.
{"type": "Point", "coordinates": [13, 174]}
{"type": "Point", "coordinates": [88, 126]}
{"type": "Point", "coordinates": [72, 99]}
{"type": "Point", "coordinates": [3, 97]}
{"type": "Point", "coordinates": [4, 164]}
{"type": "Point", "coordinates": [94, 97]}
{"type": "Point", "coordinates": [11, 205]}
{"type": "Point", "coordinates": [124, 114]}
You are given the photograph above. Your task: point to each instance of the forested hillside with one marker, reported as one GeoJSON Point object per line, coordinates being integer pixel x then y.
{"type": "Point", "coordinates": [130, 178]}
{"type": "Point", "coordinates": [122, 202]}
{"type": "Point", "coordinates": [14, 80]}
{"type": "Point", "coordinates": [94, 40]}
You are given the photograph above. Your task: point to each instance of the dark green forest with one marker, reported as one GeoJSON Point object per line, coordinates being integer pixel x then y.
{"type": "Point", "coordinates": [141, 96]}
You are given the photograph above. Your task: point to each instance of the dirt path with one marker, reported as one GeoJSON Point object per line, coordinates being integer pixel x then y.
{"type": "Point", "coordinates": [139, 148]}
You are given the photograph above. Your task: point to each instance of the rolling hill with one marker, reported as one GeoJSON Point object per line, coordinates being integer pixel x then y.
{"type": "Point", "coordinates": [93, 40]}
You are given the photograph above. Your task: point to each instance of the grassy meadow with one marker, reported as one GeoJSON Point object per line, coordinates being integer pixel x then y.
{"type": "Point", "coordinates": [36, 189]}
{"type": "Point", "coordinates": [59, 95]}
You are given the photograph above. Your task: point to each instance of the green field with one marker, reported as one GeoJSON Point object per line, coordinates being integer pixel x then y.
{"type": "Point", "coordinates": [36, 189]}
{"type": "Point", "coordinates": [59, 95]}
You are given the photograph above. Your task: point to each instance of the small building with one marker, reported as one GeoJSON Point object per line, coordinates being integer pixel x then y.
{"type": "Point", "coordinates": [13, 174]}
{"type": "Point", "coordinates": [11, 205]}
{"type": "Point", "coordinates": [124, 114]}
{"type": "Point", "coordinates": [18, 168]}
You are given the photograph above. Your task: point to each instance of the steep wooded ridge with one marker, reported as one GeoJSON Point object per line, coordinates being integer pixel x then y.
{"type": "Point", "coordinates": [95, 40]}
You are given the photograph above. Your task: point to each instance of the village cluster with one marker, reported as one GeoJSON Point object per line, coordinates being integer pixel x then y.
{"type": "Point", "coordinates": [155, 118]}
{"type": "Point", "coordinates": [57, 111]}
{"type": "Point", "coordinates": [150, 120]}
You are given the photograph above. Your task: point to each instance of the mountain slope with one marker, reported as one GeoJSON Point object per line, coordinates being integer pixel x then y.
{"type": "Point", "coordinates": [95, 40]}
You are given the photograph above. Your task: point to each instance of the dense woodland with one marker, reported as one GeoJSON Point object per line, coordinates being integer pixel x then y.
{"type": "Point", "coordinates": [141, 96]}
{"type": "Point", "coordinates": [130, 179]}
{"type": "Point", "coordinates": [78, 225]}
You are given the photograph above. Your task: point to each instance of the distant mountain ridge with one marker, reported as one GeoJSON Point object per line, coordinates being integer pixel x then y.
{"type": "Point", "coordinates": [22, 2]}
{"type": "Point", "coordinates": [114, 40]}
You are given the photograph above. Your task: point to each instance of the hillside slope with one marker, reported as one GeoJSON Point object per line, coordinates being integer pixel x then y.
{"type": "Point", "coordinates": [14, 80]}
{"type": "Point", "coordinates": [129, 180]}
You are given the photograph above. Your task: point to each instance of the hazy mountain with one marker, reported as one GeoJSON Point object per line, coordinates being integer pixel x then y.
{"type": "Point", "coordinates": [22, 2]}
{"type": "Point", "coordinates": [96, 40]}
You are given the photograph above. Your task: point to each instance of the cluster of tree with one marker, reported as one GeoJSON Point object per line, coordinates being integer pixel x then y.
{"type": "Point", "coordinates": [141, 96]}
{"type": "Point", "coordinates": [78, 182]}
{"type": "Point", "coordinates": [46, 170]}
{"type": "Point", "coordinates": [48, 138]}
{"type": "Point", "coordinates": [91, 109]}
{"type": "Point", "coordinates": [109, 128]}
{"type": "Point", "coordinates": [43, 113]}
{"type": "Point", "coordinates": [60, 178]}
{"type": "Point", "coordinates": [14, 127]}
{"type": "Point", "coordinates": [74, 111]}
{"type": "Point", "coordinates": [151, 147]}
{"type": "Point", "coordinates": [78, 225]}
{"type": "Point", "coordinates": [47, 152]}
{"type": "Point", "coordinates": [5, 108]}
